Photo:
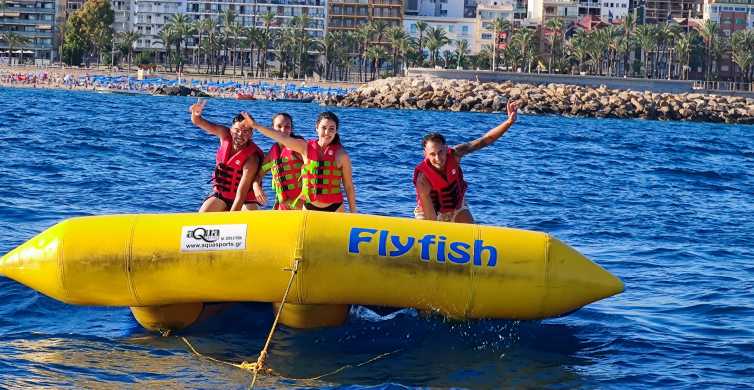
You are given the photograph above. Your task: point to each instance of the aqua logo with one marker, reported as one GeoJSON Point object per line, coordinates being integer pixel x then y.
{"type": "Point", "coordinates": [206, 235]}
{"type": "Point", "coordinates": [431, 247]}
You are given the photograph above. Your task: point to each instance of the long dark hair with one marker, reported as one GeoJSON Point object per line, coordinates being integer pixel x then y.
{"type": "Point", "coordinates": [331, 116]}
{"type": "Point", "coordinates": [290, 119]}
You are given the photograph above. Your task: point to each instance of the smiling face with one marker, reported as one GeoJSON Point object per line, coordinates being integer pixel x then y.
{"type": "Point", "coordinates": [240, 133]}
{"type": "Point", "coordinates": [282, 124]}
{"type": "Point", "coordinates": [326, 130]}
{"type": "Point", "coordinates": [436, 153]}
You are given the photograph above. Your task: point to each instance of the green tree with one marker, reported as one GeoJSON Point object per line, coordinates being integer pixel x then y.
{"type": "Point", "coordinates": [554, 33]}
{"type": "Point", "coordinates": [128, 39]}
{"type": "Point", "coordinates": [421, 26]}
{"type": "Point", "coordinates": [742, 45]}
{"type": "Point", "coordinates": [709, 31]}
{"type": "Point", "coordinates": [75, 43]}
{"type": "Point", "coordinates": [96, 18]}
{"type": "Point", "coordinates": [14, 40]}
{"type": "Point", "coordinates": [436, 39]}
{"type": "Point", "coordinates": [462, 51]}
{"type": "Point", "coordinates": [499, 25]}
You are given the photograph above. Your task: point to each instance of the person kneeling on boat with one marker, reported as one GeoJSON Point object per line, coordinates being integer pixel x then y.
{"type": "Point", "coordinates": [440, 188]}
{"type": "Point", "coordinates": [285, 165]}
{"type": "Point", "coordinates": [237, 161]}
{"type": "Point", "coordinates": [326, 165]}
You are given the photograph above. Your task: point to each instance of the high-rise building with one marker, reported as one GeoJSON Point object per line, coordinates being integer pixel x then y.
{"type": "Point", "coordinates": [540, 11]}
{"type": "Point", "coordinates": [660, 11]}
{"type": "Point", "coordinates": [731, 16]}
{"type": "Point", "coordinates": [614, 9]}
{"type": "Point", "coordinates": [436, 8]}
{"type": "Point", "coordinates": [122, 21]}
{"type": "Point", "coordinates": [32, 20]}
{"type": "Point", "coordinates": [348, 15]}
{"type": "Point", "coordinates": [149, 17]}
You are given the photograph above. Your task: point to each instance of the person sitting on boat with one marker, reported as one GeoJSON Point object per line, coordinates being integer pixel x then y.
{"type": "Point", "coordinates": [440, 188]}
{"type": "Point", "coordinates": [237, 161]}
{"type": "Point", "coordinates": [326, 165]}
{"type": "Point", "coordinates": [285, 165]}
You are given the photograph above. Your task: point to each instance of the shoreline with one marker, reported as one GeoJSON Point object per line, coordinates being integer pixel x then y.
{"type": "Point", "coordinates": [212, 85]}
{"type": "Point", "coordinates": [436, 94]}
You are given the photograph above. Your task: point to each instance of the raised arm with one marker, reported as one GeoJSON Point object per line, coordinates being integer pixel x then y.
{"type": "Point", "coordinates": [346, 168]}
{"type": "Point", "coordinates": [211, 128]}
{"type": "Point", "coordinates": [296, 144]}
{"type": "Point", "coordinates": [491, 136]}
{"type": "Point", "coordinates": [422, 189]}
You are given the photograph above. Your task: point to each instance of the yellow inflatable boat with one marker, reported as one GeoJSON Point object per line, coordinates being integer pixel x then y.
{"type": "Point", "coordinates": [165, 266]}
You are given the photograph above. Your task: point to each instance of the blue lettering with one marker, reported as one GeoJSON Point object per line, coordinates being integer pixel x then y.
{"type": "Point", "coordinates": [479, 247]}
{"type": "Point", "coordinates": [355, 238]}
{"type": "Point", "coordinates": [400, 249]}
{"type": "Point", "coordinates": [382, 246]}
{"type": "Point", "coordinates": [426, 241]}
{"type": "Point", "coordinates": [441, 250]}
{"type": "Point", "coordinates": [459, 252]}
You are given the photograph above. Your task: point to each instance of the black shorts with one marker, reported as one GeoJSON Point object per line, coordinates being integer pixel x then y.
{"type": "Point", "coordinates": [229, 202]}
{"type": "Point", "coordinates": [331, 208]}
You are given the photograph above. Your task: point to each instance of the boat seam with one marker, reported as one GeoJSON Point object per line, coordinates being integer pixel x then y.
{"type": "Point", "coordinates": [129, 259]}
{"type": "Point", "coordinates": [300, 256]}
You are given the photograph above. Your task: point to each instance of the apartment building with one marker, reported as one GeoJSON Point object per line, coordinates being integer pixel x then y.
{"type": "Point", "coordinates": [660, 11]}
{"type": "Point", "coordinates": [249, 12]}
{"type": "Point", "coordinates": [122, 21]}
{"type": "Point", "coordinates": [149, 17]}
{"type": "Point", "coordinates": [348, 15]}
{"type": "Point", "coordinates": [33, 20]}
{"type": "Point", "coordinates": [487, 12]}
{"type": "Point", "coordinates": [540, 11]}
{"type": "Point", "coordinates": [614, 9]}
{"type": "Point", "coordinates": [456, 29]}
{"type": "Point", "coordinates": [436, 8]}
{"type": "Point", "coordinates": [731, 15]}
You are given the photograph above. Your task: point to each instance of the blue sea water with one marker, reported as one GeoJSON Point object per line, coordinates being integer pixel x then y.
{"type": "Point", "coordinates": [666, 206]}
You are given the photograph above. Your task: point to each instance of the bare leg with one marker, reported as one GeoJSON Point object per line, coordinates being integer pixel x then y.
{"type": "Point", "coordinates": [250, 207]}
{"type": "Point", "coordinates": [212, 204]}
{"type": "Point", "coordinates": [464, 217]}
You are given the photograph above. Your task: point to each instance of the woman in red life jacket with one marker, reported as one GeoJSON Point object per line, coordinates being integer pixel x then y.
{"type": "Point", "coordinates": [326, 165]}
{"type": "Point", "coordinates": [440, 188]}
{"type": "Point", "coordinates": [237, 161]}
{"type": "Point", "coordinates": [285, 165]}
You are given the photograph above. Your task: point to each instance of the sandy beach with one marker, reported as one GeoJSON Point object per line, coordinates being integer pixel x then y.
{"type": "Point", "coordinates": [75, 78]}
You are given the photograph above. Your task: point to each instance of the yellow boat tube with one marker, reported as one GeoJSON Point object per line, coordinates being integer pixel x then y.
{"type": "Point", "coordinates": [173, 260]}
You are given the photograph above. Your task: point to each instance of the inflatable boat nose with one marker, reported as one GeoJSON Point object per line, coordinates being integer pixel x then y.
{"type": "Point", "coordinates": [574, 281]}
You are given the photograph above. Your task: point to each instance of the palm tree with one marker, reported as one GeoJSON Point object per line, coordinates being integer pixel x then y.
{"type": "Point", "coordinates": [683, 48]}
{"type": "Point", "coordinates": [709, 31]}
{"type": "Point", "coordinates": [554, 33]}
{"type": "Point", "coordinates": [204, 27]}
{"type": "Point", "coordinates": [436, 38]}
{"type": "Point", "coordinates": [234, 30]}
{"type": "Point", "coordinates": [182, 27]}
{"type": "Point", "coordinates": [363, 35]}
{"type": "Point", "coordinates": [646, 36]}
{"type": "Point", "coordinates": [228, 20]}
{"type": "Point", "coordinates": [499, 25]}
{"type": "Point", "coordinates": [376, 53]}
{"type": "Point", "coordinates": [421, 26]}
{"type": "Point", "coordinates": [14, 40]}
{"type": "Point", "coordinates": [462, 51]}
{"type": "Point", "coordinates": [578, 46]}
{"type": "Point", "coordinates": [300, 23]}
{"type": "Point", "coordinates": [742, 43]}
{"type": "Point", "coordinates": [167, 36]}
{"type": "Point", "coordinates": [396, 36]}
{"type": "Point", "coordinates": [266, 36]}
{"type": "Point", "coordinates": [524, 39]}
{"type": "Point", "coordinates": [128, 39]}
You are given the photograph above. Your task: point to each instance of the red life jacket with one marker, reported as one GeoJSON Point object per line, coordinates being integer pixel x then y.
{"type": "Point", "coordinates": [320, 176]}
{"type": "Point", "coordinates": [285, 165]}
{"type": "Point", "coordinates": [229, 169]}
{"type": "Point", "coordinates": [447, 190]}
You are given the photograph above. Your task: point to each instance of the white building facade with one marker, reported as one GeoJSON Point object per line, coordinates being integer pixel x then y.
{"type": "Point", "coordinates": [456, 29]}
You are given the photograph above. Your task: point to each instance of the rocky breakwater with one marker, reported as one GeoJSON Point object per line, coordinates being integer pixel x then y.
{"type": "Point", "coordinates": [464, 95]}
{"type": "Point", "coordinates": [179, 90]}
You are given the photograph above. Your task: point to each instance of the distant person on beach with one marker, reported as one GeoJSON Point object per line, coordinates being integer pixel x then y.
{"type": "Point", "coordinates": [285, 165]}
{"type": "Point", "coordinates": [236, 163]}
{"type": "Point", "coordinates": [440, 188]}
{"type": "Point", "coordinates": [326, 165]}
